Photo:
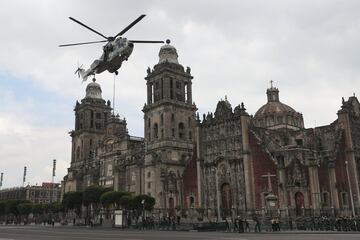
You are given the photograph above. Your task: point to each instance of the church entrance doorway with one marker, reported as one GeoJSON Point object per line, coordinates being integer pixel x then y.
{"type": "Point", "coordinates": [299, 203]}
{"type": "Point", "coordinates": [226, 199]}
{"type": "Point", "coordinates": [171, 207]}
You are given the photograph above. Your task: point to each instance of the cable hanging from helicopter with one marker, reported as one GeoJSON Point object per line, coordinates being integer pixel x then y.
{"type": "Point", "coordinates": [116, 50]}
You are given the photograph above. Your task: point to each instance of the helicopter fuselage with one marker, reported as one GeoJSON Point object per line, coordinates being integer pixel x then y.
{"type": "Point", "coordinates": [115, 51]}
{"type": "Point", "coordinates": [114, 54]}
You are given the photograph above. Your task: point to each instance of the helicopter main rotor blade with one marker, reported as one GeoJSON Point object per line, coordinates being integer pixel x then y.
{"type": "Point", "coordinates": [77, 21]}
{"type": "Point", "coordinates": [145, 41]}
{"type": "Point", "coordinates": [130, 25]}
{"type": "Point", "coordinates": [83, 43]}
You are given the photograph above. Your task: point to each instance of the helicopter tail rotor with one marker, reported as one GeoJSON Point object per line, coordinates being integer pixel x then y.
{"type": "Point", "coordinates": [81, 73]}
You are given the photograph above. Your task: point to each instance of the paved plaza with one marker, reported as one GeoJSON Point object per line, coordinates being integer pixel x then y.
{"type": "Point", "coordinates": [72, 233]}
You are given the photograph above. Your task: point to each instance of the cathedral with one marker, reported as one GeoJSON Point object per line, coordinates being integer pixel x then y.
{"type": "Point", "coordinates": [225, 163]}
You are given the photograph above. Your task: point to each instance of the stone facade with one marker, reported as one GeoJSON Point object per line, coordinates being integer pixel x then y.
{"type": "Point", "coordinates": [46, 193]}
{"type": "Point", "coordinates": [227, 161]}
{"type": "Point", "coordinates": [274, 155]}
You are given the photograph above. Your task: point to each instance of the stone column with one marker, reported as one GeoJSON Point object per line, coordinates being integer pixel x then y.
{"type": "Point", "coordinates": [149, 93]}
{"type": "Point", "coordinates": [247, 163]}
{"type": "Point", "coordinates": [333, 189]}
{"type": "Point", "coordinates": [189, 92]}
{"type": "Point", "coordinates": [282, 187]}
{"type": "Point", "coordinates": [314, 184]}
{"type": "Point", "coordinates": [198, 166]}
{"type": "Point", "coordinates": [343, 119]}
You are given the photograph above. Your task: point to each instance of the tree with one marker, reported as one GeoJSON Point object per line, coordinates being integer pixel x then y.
{"type": "Point", "coordinates": [141, 202]}
{"type": "Point", "coordinates": [125, 201]}
{"type": "Point", "coordinates": [113, 198]}
{"type": "Point", "coordinates": [2, 207]}
{"type": "Point", "coordinates": [37, 208]}
{"type": "Point", "coordinates": [11, 206]}
{"type": "Point", "coordinates": [73, 201]}
{"type": "Point", "coordinates": [91, 197]}
{"type": "Point", "coordinates": [55, 207]}
{"type": "Point", "coordinates": [24, 209]}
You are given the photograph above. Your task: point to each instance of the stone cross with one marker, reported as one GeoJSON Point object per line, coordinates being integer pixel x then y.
{"type": "Point", "coordinates": [269, 176]}
{"type": "Point", "coordinates": [271, 83]}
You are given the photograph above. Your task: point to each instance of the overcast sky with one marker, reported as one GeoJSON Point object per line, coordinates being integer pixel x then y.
{"type": "Point", "coordinates": [311, 50]}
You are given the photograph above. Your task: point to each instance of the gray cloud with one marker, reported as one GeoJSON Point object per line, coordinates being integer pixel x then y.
{"type": "Point", "coordinates": [309, 48]}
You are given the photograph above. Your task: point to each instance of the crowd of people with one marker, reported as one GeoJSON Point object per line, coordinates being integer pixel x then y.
{"type": "Point", "coordinates": [328, 223]}
{"type": "Point", "coordinates": [255, 224]}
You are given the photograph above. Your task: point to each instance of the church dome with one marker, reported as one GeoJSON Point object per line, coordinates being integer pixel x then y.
{"type": "Point", "coordinates": [168, 53]}
{"type": "Point", "coordinates": [275, 114]}
{"type": "Point", "coordinates": [93, 90]}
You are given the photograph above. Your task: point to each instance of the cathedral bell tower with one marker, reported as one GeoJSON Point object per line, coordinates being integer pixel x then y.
{"type": "Point", "coordinates": [91, 117]}
{"type": "Point", "coordinates": [169, 121]}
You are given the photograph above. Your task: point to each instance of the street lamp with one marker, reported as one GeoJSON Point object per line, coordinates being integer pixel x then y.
{"type": "Point", "coordinates": [1, 179]}
{"type": "Point", "coordinates": [143, 203]}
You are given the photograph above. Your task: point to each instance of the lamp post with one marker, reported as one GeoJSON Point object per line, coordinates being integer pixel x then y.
{"type": "Point", "coordinates": [143, 204]}
{"type": "Point", "coordinates": [24, 176]}
{"type": "Point", "coordinates": [52, 181]}
{"type": "Point", "coordinates": [1, 179]}
{"type": "Point", "coordinates": [350, 190]}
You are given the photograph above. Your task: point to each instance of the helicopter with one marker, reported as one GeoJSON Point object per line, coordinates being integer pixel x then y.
{"type": "Point", "coordinates": [116, 50]}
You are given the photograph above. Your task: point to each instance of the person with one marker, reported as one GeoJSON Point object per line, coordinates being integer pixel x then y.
{"type": "Point", "coordinates": [247, 226]}
{"type": "Point", "coordinates": [241, 226]}
{"type": "Point", "coordinates": [257, 225]}
{"type": "Point", "coordinates": [290, 223]}
{"type": "Point", "coordinates": [107, 49]}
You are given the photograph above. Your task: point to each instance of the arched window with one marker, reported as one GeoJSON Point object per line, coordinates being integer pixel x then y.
{"type": "Point", "coordinates": [156, 130]}
{"type": "Point", "coordinates": [344, 198]}
{"type": "Point", "coordinates": [325, 199]}
{"type": "Point", "coordinates": [78, 153]}
{"type": "Point", "coordinates": [181, 130]}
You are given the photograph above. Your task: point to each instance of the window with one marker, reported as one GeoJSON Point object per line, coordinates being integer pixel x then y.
{"type": "Point", "coordinates": [105, 117]}
{"type": "Point", "coordinates": [161, 119]}
{"type": "Point", "coordinates": [149, 174]}
{"type": "Point", "coordinates": [171, 89]}
{"type": "Point", "coordinates": [172, 117]}
{"type": "Point", "coordinates": [344, 199]}
{"type": "Point", "coordinates": [173, 132]}
{"type": "Point", "coordinates": [178, 85]}
{"type": "Point", "coordinates": [109, 170]}
{"type": "Point", "coordinates": [299, 142]}
{"type": "Point", "coordinates": [156, 129]}
{"type": "Point", "coordinates": [149, 122]}
{"type": "Point", "coordinates": [98, 125]}
{"type": "Point", "coordinates": [98, 115]}
{"type": "Point", "coordinates": [181, 130]}
{"type": "Point", "coordinates": [162, 133]}
{"type": "Point", "coordinates": [78, 153]}
{"type": "Point", "coordinates": [190, 135]}
{"type": "Point", "coordinates": [149, 185]}
{"type": "Point", "coordinates": [325, 199]}
{"type": "Point", "coordinates": [133, 176]}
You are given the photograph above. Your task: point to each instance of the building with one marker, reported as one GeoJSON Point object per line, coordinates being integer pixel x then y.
{"type": "Point", "coordinates": [46, 193]}
{"type": "Point", "coordinates": [228, 161]}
